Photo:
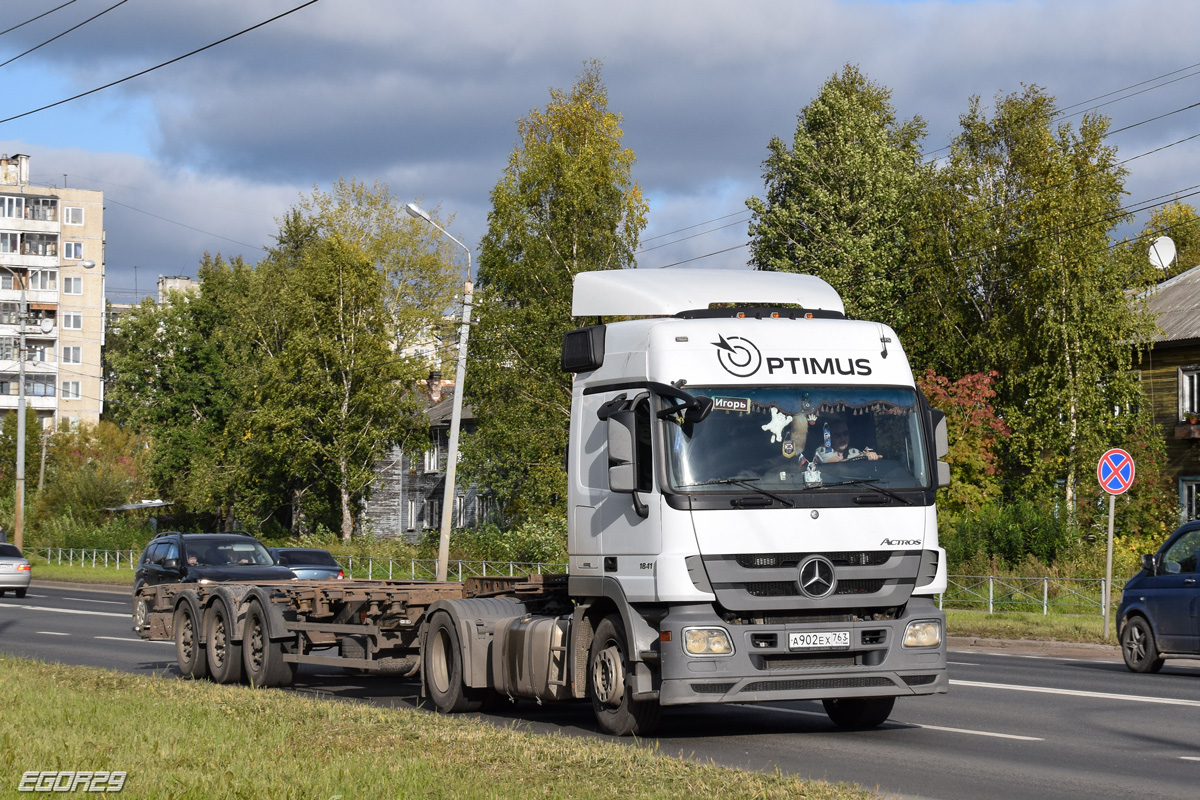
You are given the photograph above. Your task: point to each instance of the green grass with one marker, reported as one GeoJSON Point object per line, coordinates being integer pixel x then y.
{"type": "Point", "coordinates": [183, 739]}
{"type": "Point", "coordinates": [44, 571]}
{"type": "Point", "coordinates": [1022, 625]}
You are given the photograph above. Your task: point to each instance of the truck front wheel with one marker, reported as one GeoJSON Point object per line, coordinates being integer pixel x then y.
{"type": "Point", "coordinates": [857, 713]}
{"type": "Point", "coordinates": [609, 684]}
{"type": "Point", "coordinates": [443, 668]}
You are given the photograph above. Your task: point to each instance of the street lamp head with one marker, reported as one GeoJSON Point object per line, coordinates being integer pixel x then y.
{"type": "Point", "coordinates": [86, 264]}
{"type": "Point", "coordinates": [416, 211]}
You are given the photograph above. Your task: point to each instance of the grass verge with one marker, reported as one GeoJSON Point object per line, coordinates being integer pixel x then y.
{"type": "Point", "coordinates": [49, 571]}
{"type": "Point", "coordinates": [183, 739]}
{"type": "Point", "coordinates": [1021, 625]}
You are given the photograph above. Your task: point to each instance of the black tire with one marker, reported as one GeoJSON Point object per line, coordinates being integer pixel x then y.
{"type": "Point", "coordinates": [857, 713]}
{"type": "Point", "coordinates": [189, 649]}
{"type": "Point", "coordinates": [141, 612]}
{"type": "Point", "coordinates": [20, 593]}
{"type": "Point", "coordinates": [442, 668]}
{"type": "Point", "coordinates": [610, 684]}
{"type": "Point", "coordinates": [1138, 647]}
{"type": "Point", "coordinates": [262, 659]}
{"type": "Point", "coordinates": [223, 653]}
{"type": "Point", "coordinates": [2, 591]}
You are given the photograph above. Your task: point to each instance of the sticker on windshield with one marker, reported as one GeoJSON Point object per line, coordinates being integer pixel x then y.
{"type": "Point", "coordinates": [731, 404]}
{"type": "Point", "coordinates": [789, 448]}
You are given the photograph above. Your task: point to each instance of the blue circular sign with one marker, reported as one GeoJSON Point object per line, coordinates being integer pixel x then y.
{"type": "Point", "coordinates": [1115, 471]}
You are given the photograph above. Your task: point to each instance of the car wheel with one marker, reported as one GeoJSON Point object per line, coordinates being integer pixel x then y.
{"type": "Point", "coordinates": [262, 659]}
{"type": "Point", "coordinates": [20, 593]}
{"type": "Point", "coordinates": [443, 668]}
{"type": "Point", "coordinates": [857, 713]}
{"type": "Point", "coordinates": [609, 684]}
{"type": "Point", "coordinates": [224, 654]}
{"type": "Point", "coordinates": [189, 652]}
{"type": "Point", "coordinates": [1138, 647]}
{"type": "Point", "coordinates": [141, 612]}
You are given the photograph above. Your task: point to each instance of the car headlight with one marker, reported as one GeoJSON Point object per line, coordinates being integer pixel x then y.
{"type": "Point", "coordinates": [707, 642]}
{"type": "Point", "coordinates": [926, 633]}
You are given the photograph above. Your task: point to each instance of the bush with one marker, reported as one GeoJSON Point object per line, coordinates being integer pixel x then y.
{"type": "Point", "coordinates": [535, 541]}
{"type": "Point", "coordinates": [1005, 534]}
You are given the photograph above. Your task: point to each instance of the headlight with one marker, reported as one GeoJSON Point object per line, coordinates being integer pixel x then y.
{"type": "Point", "coordinates": [926, 633]}
{"type": "Point", "coordinates": [707, 642]}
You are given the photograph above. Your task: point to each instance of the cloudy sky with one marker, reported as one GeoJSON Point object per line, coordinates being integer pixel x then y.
{"type": "Point", "coordinates": [205, 154]}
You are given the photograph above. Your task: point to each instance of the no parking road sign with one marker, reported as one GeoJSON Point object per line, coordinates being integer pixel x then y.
{"type": "Point", "coordinates": [1115, 471]}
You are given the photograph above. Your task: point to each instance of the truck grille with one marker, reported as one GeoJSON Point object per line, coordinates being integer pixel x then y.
{"type": "Point", "coordinates": [813, 684]}
{"type": "Point", "coordinates": [770, 560]}
{"type": "Point", "coordinates": [791, 589]}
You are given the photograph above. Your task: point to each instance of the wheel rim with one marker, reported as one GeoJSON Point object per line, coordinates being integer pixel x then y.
{"type": "Point", "coordinates": [1135, 644]}
{"type": "Point", "coordinates": [187, 638]}
{"type": "Point", "coordinates": [608, 676]}
{"type": "Point", "coordinates": [439, 662]}
{"type": "Point", "coordinates": [140, 618]}
{"type": "Point", "coordinates": [257, 645]}
{"type": "Point", "coordinates": [218, 639]}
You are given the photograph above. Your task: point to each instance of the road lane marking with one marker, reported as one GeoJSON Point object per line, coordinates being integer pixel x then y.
{"type": "Point", "coordinates": [961, 664]}
{"type": "Point", "coordinates": [90, 600]}
{"type": "Point", "coordinates": [1137, 698]}
{"type": "Point", "coordinates": [67, 611]}
{"type": "Point", "coordinates": [132, 639]}
{"type": "Point", "coordinates": [1190, 758]}
{"type": "Point", "coordinates": [53, 633]}
{"type": "Point", "coordinates": [900, 724]}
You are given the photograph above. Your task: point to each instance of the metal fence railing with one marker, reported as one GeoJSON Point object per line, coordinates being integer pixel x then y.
{"type": "Point", "coordinates": [999, 593]}
{"type": "Point", "coordinates": [993, 593]}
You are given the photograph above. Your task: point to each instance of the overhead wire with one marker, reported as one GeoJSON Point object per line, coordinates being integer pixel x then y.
{"type": "Point", "coordinates": [64, 33]}
{"type": "Point", "coordinates": [35, 19]}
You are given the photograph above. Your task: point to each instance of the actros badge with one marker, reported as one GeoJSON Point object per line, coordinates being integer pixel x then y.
{"type": "Point", "coordinates": [738, 356]}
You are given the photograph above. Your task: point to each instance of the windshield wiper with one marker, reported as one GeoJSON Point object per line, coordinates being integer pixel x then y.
{"type": "Point", "coordinates": [870, 483]}
{"type": "Point", "coordinates": [745, 483]}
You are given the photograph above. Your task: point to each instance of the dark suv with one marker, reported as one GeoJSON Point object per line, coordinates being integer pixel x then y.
{"type": "Point", "coordinates": [174, 557]}
{"type": "Point", "coordinates": [1157, 615]}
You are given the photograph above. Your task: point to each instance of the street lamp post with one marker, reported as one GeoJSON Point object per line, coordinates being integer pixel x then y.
{"type": "Point", "coordinates": [456, 415]}
{"type": "Point", "coordinates": [19, 489]}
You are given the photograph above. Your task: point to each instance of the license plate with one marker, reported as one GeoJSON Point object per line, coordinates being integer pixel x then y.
{"type": "Point", "coordinates": [819, 640]}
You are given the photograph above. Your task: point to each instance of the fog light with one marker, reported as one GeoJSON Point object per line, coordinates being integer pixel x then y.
{"type": "Point", "coordinates": [707, 642]}
{"type": "Point", "coordinates": [926, 633]}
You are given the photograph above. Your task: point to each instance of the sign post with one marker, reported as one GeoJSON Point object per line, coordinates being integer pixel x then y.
{"type": "Point", "coordinates": [1115, 473]}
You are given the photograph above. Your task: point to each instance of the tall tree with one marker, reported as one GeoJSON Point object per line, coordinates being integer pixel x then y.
{"type": "Point", "coordinates": [839, 200]}
{"type": "Point", "coordinates": [1021, 277]}
{"type": "Point", "coordinates": [565, 204]}
{"type": "Point", "coordinates": [1179, 221]}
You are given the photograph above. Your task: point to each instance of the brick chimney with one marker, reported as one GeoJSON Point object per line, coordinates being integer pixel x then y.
{"type": "Point", "coordinates": [434, 386]}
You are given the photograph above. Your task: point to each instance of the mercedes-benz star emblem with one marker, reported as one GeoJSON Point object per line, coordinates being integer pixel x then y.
{"type": "Point", "coordinates": [817, 579]}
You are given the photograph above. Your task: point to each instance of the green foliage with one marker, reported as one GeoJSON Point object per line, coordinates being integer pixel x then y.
{"type": "Point", "coordinates": [840, 200]}
{"type": "Point", "coordinates": [1006, 534]}
{"type": "Point", "coordinates": [534, 541]}
{"type": "Point", "coordinates": [8, 450]}
{"type": "Point", "coordinates": [1179, 221]}
{"type": "Point", "coordinates": [1020, 279]}
{"type": "Point", "coordinates": [565, 204]}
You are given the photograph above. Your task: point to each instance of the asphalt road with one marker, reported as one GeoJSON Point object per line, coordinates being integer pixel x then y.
{"type": "Point", "coordinates": [1060, 723]}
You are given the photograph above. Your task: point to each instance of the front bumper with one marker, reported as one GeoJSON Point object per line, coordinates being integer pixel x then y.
{"type": "Point", "coordinates": [762, 667]}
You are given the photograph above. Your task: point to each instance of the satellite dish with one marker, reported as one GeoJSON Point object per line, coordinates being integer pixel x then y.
{"type": "Point", "coordinates": [1162, 252]}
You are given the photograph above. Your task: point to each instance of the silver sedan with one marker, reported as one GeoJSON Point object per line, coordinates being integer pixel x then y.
{"type": "Point", "coordinates": [14, 570]}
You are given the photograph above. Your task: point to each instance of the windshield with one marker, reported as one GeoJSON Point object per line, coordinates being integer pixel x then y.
{"type": "Point", "coordinates": [228, 553]}
{"type": "Point", "coordinates": [782, 438]}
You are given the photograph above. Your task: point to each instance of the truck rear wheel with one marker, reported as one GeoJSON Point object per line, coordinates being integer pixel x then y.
{"type": "Point", "coordinates": [189, 652]}
{"type": "Point", "coordinates": [262, 659]}
{"type": "Point", "coordinates": [857, 713]}
{"type": "Point", "coordinates": [224, 654]}
{"type": "Point", "coordinates": [443, 668]}
{"type": "Point", "coordinates": [609, 684]}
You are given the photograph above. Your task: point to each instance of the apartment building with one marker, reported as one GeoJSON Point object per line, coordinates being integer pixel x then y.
{"type": "Point", "coordinates": [52, 291]}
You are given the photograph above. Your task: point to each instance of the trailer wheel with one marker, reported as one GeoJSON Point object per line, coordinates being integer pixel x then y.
{"type": "Point", "coordinates": [189, 652]}
{"type": "Point", "coordinates": [609, 675]}
{"type": "Point", "coordinates": [857, 713]}
{"type": "Point", "coordinates": [262, 659]}
{"type": "Point", "coordinates": [443, 668]}
{"type": "Point", "coordinates": [224, 654]}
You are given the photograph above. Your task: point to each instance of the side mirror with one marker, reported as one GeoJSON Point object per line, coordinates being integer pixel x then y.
{"type": "Point", "coordinates": [943, 474]}
{"type": "Point", "coordinates": [941, 439]}
{"type": "Point", "coordinates": [1149, 564]}
{"type": "Point", "coordinates": [282, 561]}
{"type": "Point", "coordinates": [622, 469]}
{"type": "Point", "coordinates": [171, 563]}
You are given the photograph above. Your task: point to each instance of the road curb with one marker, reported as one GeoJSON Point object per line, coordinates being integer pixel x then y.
{"type": "Point", "coordinates": [88, 587]}
{"type": "Point", "coordinates": [1035, 647]}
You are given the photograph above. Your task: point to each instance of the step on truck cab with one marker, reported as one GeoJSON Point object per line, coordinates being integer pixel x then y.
{"type": "Point", "coordinates": [751, 498]}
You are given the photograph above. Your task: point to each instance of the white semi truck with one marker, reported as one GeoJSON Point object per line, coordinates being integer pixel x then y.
{"type": "Point", "coordinates": [751, 497]}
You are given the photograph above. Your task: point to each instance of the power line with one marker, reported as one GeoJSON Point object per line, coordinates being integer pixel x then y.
{"type": "Point", "coordinates": [64, 33]}
{"type": "Point", "coordinates": [159, 66]}
{"type": "Point", "coordinates": [35, 19]}
{"type": "Point", "coordinates": [182, 225]}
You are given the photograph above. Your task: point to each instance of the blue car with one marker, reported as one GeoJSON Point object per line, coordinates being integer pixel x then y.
{"type": "Point", "coordinates": [1159, 614]}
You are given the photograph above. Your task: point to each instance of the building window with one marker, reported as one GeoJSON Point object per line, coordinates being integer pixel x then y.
{"type": "Point", "coordinates": [9, 313]}
{"type": "Point", "coordinates": [1189, 495]}
{"type": "Point", "coordinates": [43, 209]}
{"type": "Point", "coordinates": [72, 215]}
{"type": "Point", "coordinates": [72, 355]}
{"type": "Point", "coordinates": [38, 351]}
{"type": "Point", "coordinates": [72, 320]}
{"type": "Point", "coordinates": [72, 285]}
{"type": "Point", "coordinates": [7, 281]}
{"type": "Point", "coordinates": [39, 385]}
{"type": "Point", "coordinates": [70, 390]}
{"type": "Point", "coordinates": [1189, 391]}
{"type": "Point", "coordinates": [39, 244]}
{"type": "Point", "coordinates": [73, 250]}
{"type": "Point", "coordinates": [8, 349]}
{"type": "Point", "coordinates": [460, 511]}
{"type": "Point", "coordinates": [412, 515]}
{"type": "Point", "coordinates": [44, 280]}
{"type": "Point", "coordinates": [10, 242]}
{"type": "Point", "coordinates": [433, 454]}
{"type": "Point", "coordinates": [432, 518]}
{"type": "Point", "coordinates": [12, 207]}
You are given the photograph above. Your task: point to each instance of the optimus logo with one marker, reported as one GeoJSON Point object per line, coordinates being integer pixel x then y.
{"type": "Point", "coordinates": [741, 358]}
